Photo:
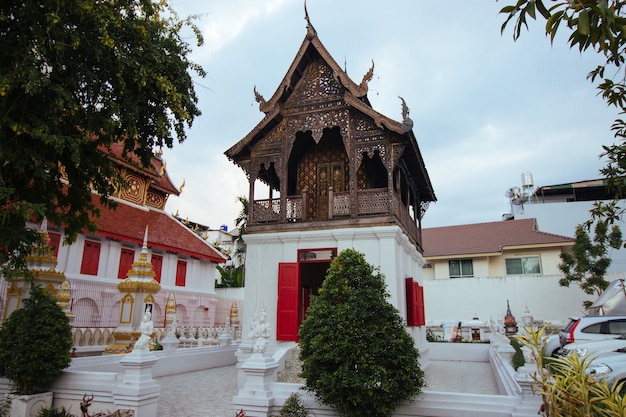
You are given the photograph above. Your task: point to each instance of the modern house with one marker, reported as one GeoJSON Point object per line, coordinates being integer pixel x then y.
{"type": "Point", "coordinates": [334, 174]}
{"type": "Point", "coordinates": [473, 269]}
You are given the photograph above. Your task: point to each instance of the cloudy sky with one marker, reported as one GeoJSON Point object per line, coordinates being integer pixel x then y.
{"type": "Point", "coordinates": [485, 108]}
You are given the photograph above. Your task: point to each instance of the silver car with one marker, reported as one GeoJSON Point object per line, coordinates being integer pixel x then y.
{"type": "Point", "coordinates": [595, 347]}
{"type": "Point", "coordinates": [610, 367]}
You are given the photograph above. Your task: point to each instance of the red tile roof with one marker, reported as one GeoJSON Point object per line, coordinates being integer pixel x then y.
{"type": "Point", "coordinates": [490, 237]}
{"type": "Point", "coordinates": [128, 223]}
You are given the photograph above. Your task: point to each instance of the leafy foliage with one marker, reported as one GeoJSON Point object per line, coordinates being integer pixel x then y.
{"type": "Point", "coordinates": [566, 389]}
{"type": "Point", "coordinates": [241, 222]}
{"type": "Point", "coordinates": [357, 356]}
{"type": "Point", "coordinates": [231, 277]}
{"type": "Point", "coordinates": [35, 343]}
{"type": "Point", "coordinates": [75, 77]}
{"type": "Point", "coordinates": [518, 357]}
{"type": "Point", "coordinates": [294, 407]}
{"type": "Point", "coordinates": [589, 261]}
{"type": "Point", "coordinates": [599, 26]}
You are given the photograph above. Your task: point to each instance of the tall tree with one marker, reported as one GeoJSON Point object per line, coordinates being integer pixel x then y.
{"type": "Point", "coordinates": [598, 26]}
{"type": "Point", "coordinates": [356, 354]}
{"type": "Point", "coordinates": [75, 77]}
{"type": "Point", "coordinates": [589, 261]}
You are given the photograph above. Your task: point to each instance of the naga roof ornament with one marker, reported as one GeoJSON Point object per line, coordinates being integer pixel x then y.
{"type": "Point", "coordinates": [407, 122]}
{"type": "Point", "coordinates": [263, 106]}
{"type": "Point", "coordinates": [367, 78]}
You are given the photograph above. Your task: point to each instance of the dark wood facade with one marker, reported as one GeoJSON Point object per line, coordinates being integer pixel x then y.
{"type": "Point", "coordinates": [326, 159]}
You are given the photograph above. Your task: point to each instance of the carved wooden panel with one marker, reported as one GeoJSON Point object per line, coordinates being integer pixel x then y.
{"type": "Point", "coordinates": [135, 190]}
{"type": "Point", "coordinates": [156, 200]}
{"type": "Point", "coordinates": [328, 153]}
{"type": "Point", "coordinates": [318, 83]}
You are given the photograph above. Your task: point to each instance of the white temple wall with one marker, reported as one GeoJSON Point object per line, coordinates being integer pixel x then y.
{"type": "Point", "coordinates": [384, 246]}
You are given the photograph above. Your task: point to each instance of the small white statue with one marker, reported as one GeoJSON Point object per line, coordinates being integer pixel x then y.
{"type": "Point", "coordinates": [261, 334]}
{"type": "Point", "coordinates": [146, 328]}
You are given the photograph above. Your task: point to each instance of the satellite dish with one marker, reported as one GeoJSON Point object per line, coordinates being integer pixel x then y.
{"type": "Point", "coordinates": [515, 195]}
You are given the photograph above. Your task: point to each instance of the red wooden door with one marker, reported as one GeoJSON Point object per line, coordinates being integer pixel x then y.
{"type": "Point", "coordinates": [288, 301]}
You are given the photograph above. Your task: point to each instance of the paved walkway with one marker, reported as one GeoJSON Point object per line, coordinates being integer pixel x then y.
{"type": "Point", "coordinates": [209, 393]}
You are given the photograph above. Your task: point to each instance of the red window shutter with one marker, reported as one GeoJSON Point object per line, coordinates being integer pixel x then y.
{"type": "Point", "coordinates": [287, 308]}
{"type": "Point", "coordinates": [55, 242]}
{"type": "Point", "coordinates": [91, 258]}
{"type": "Point", "coordinates": [127, 258]}
{"type": "Point", "coordinates": [421, 319]}
{"type": "Point", "coordinates": [410, 302]}
{"type": "Point", "coordinates": [157, 265]}
{"type": "Point", "coordinates": [181, 273]}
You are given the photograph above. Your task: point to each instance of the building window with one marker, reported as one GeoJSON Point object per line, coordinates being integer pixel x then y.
{"type": "Point", "coordinates": [127, 258]}
{"type": "Point", "coordinates": [55, 242]}
{"type": "Point", "coordinates": [461, 268]}
{"type": "Point", "coordinates": [530, 265]}
{"type": "Point", "coordinates": [157, 265]}
{"type": "Point", "coordinates": [181, 273]}
{"type": "Point", "coordinates": [91, 258]}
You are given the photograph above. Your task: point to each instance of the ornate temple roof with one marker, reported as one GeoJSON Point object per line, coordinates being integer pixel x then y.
{"type": "Point", "coordinates": [156, 173]}
{"type": "Point", "coordinates": [354, 95]}
{"type": "Point", "coordinates": [128, 223]}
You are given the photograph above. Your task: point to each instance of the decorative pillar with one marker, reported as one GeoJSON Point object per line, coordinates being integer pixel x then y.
{"type": "Point", "coordinates": [137, 390]}
{"type": "Point", "coordinates": [137, 298]}
{"type": "Point", "coordinates": [260, 372]}
{"type": "Point", "coordinates": [235, 324]}
{"type": "Point", "coordinates": [170, 341]}
{"type": "Point", "coordinates": [41, 263]}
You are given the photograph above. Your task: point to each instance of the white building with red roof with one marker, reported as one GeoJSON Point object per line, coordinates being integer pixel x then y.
{"type": "Point", "coordinates": [473, 269]}
{"type": "Point", "coordinates": [184, 264]}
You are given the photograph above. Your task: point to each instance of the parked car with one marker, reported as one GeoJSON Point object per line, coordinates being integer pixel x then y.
{"type": "Point", "coordinates": [589, 328]}
{"type": "Point", "coordinates": [552, 345]}
{"type": "Point", "coordinates": [595, 347]}
{"type": "Point", "coordinates": [610, 367]}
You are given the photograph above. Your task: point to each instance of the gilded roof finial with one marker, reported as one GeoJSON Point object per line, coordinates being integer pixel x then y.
{"type": "Point", "coordinates": [145, 238]}
{"type": "Point", "coordinates": [182, 185]}
{"type": "Point", "coordinates": [162, 170]}
{"type": "Point", "coordinates": [407, 123]}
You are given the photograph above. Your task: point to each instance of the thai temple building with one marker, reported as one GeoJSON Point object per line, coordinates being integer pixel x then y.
{"type": "Point", "coordinates": [333, 174]}
{"type": "Point", "coordinates": [138, 234]}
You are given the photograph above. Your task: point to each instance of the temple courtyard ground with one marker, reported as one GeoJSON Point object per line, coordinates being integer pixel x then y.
{"type": "Point", "coordinates": [209, 393]}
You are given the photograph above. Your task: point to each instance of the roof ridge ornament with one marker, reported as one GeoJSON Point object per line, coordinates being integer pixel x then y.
{"type": "Point", "coordinates": [407, 122]}
{"type": "Point", "coordinates": [262, 103]}
{"type": "Point", "coordinates": [311, 32]}
{"type": "Point", "coordinates": [367, 77]}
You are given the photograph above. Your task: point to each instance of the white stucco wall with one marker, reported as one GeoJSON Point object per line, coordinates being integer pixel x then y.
{"type": "Point", "coordinates": [460, 299]}
{"type": "Point", "coordinates": [385, 246]}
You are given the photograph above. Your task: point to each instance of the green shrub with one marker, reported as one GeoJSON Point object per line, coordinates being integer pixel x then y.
{"type": "Point", "coordinates": [35, 343]}
{"type": "Point", "coordinates": [54, 412]}
{"type": "Point", "coordinates": [518, 357]}
{"type": "Point", "coordinates": [294, 407]}
{"type": "Point", "coordinates": [357, 357]}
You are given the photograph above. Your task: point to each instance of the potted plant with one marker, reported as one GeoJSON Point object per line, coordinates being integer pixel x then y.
{"type": "Point", "coordinates": [35, 346]}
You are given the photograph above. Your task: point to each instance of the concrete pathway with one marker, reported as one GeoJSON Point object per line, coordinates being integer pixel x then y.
{"type": "Point", "coordinates": [209, 393]}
